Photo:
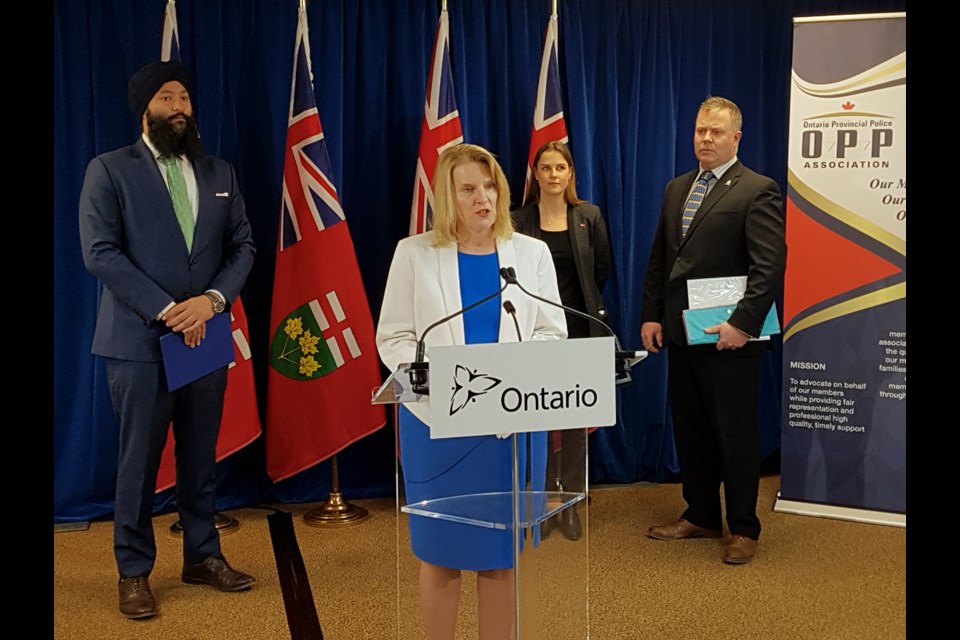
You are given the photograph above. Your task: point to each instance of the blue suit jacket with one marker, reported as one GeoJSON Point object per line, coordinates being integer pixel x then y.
{"type": "Point", "coordinates": [133, 244]}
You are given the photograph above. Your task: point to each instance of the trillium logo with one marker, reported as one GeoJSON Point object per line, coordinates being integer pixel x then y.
{"type": "Point", "coordinates": [467, 385]}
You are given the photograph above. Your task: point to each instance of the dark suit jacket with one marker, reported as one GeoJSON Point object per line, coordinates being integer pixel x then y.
{"type": "Point", "coordinates": [133, 244]}
{"type": "Point", "coordinates": [591, 250]}
{"type": "Point", "coordinates": [738, 230]}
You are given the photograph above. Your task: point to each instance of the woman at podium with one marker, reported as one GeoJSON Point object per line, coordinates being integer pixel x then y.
{"type": "Point", "coordinates": [433, 276]}
{"type": "Point", "coordinates": [577, 236]}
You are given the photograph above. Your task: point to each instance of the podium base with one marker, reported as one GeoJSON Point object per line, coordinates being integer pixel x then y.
{"type": "Point", "coordinates": [335, 512]}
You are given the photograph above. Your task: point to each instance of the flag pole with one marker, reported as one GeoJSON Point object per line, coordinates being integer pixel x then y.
{"type": "Point", "coordinates": [336, 510]}
{"type": "Point", "coordinates": [225, 524]}
{"type": "Point", "coordinates": [320, 228]}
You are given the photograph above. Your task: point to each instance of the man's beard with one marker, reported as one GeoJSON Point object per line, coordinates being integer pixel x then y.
{"type": "Point", "coordinates": [171, 140]}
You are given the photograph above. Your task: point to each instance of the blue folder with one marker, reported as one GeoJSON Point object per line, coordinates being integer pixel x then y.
{"type": "Point", "coordinates": [183, 365]}
{"type": "Point", "coordinates": [696, 320]}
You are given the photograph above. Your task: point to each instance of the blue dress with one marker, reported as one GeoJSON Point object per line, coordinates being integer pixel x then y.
{"type": "Point", "coordinates": [473, 464]}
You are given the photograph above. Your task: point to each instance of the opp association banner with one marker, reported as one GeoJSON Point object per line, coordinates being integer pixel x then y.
{"type": "Point", "coordinates": [843, 444]}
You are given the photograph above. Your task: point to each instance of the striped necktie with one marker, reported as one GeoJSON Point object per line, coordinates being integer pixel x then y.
{"type": "Point", "coordinates": [696, 198]}
{"type": "Point", "coordinates": [178, 194]}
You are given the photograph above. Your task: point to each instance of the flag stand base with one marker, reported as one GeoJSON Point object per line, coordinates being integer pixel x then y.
{"type": "Point", "coordinates": [225, 525]}
{"type": "Point", "coordinates": [335, 511]}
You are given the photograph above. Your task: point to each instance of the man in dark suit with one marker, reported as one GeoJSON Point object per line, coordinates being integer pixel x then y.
{"type": "Point", "coordinates": [719, 221]}
{"type": "Point", "coordinates": [168, 259]}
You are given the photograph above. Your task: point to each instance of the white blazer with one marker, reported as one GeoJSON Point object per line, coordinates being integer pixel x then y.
{"type": "Point", "coordinates": [424, 286]}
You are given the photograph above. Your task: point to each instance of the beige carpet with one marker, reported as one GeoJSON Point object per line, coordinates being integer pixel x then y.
{"type": "Point", "coordinates": [813, 578]}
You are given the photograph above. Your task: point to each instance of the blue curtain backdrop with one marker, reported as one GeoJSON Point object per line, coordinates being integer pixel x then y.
{"type": "Point", "coordinates": [633, 73]}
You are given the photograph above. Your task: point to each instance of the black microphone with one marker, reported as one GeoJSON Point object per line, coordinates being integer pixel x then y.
{"type": "Point", "coordinates": [418, 368]}
{"type": "Point", "coordinates": [512, 310]}
{"type": "Point", "coordinates": [622, 358]}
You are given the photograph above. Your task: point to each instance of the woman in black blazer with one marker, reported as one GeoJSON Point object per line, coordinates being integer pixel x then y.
{"type": "Point", "coordinates": [577, 236]}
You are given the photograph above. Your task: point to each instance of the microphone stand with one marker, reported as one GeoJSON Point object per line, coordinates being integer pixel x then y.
{"type": "Point", "coordinates": [512, 310]}
{"type": "Point", "coordinates": [419, 369]}
{"type": "Point", "coordinates": [621, 357]}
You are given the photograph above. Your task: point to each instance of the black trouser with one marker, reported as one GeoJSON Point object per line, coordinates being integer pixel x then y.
{"type": "Point", "coordinates": [714, 403]}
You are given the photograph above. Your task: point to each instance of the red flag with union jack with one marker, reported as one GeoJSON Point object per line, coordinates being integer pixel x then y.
{"type": "Point", "coordinates": [441, 128]}
{"type": "Point", "coordinates": [240, 420]}
{"type": "Point", "coordinates": [323, 360]}
{"type": "Point", "coordinates": [548, 123]}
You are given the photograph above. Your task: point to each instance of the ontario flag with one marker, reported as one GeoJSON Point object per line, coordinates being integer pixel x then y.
{"type": "Point", "coordinates": [441, 127]}
{"type": "Point", "coordinates": [548, 124]}
{"type": "Point", "coordinates": [323, 361]}
{"type": "Point", "coordinates": [240, 420]}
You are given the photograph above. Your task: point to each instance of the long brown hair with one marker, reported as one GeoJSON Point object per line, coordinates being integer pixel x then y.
{"type": "Point", "coordinates": [570, 194]}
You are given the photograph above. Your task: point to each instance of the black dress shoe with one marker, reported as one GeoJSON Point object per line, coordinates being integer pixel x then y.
{"type": "Point", "coordinates": [136, 599]}
{"type": "Point", "coordinates": [570, 525]}
{"type": "Point", "coordinates": [215, 572]}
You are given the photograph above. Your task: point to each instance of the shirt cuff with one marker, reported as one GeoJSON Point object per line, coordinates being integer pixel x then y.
{"type": "Point", "coordinates": [164, 312]}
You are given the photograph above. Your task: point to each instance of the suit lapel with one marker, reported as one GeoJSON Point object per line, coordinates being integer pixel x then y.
{"type": "Point", "coordinates": [681, 202]}
{"type": "Point", "coordinates": [203, 171]}
{"type": "Point", "coordinates": [578, 231]}
{"type": "Point", "coordinates": [717, 193]}
{"type": "Point", "coordinates": [448, 268]}
{"type": "Point", "coordinates": [531, 220]}
{"type": "Point", "coordinates": [507, 256]}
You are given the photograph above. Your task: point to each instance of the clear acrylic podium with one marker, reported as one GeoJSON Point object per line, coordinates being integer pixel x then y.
{"type": "Point", "coordinates": [552, 573]}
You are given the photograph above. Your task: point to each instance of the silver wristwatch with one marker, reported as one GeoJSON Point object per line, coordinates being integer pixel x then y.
{"type": "Point", "coordinates": [218, 304]}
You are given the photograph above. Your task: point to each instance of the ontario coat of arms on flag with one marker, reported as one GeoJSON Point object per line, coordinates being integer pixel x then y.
{"type": "Point", "coordinates": [307, 345]}
{"type": "Point", "coordinates": [323, 360]}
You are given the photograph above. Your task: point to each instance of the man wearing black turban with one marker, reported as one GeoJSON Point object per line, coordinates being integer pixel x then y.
{"type": "Point", "coordinates": [164, 228]}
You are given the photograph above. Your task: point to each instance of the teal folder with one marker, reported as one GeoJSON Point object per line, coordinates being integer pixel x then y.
{"type": "Point", "coordinates": [696, 320]}
{"type": "Point", "coordinates": [183, 365]}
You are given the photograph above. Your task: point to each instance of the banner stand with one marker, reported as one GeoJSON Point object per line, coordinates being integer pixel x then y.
{"type": "Point", "coordinates": [844, 393]}
{"type": "Point", "coordinates": [800, 508]}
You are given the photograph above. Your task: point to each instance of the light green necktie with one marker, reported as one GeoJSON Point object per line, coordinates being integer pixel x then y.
{"type": "Point", "coordinates": [178, 194]}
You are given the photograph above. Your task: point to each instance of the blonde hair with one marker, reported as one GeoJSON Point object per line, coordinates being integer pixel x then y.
{"type": "Point", "coordinates": [444, 199]}
{"type": "Point", "coordinates": [716, 102]}
{"type": "Point", "coordinates": [570, 193]}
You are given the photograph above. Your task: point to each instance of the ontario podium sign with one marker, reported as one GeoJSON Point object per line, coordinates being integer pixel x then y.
{"type": "Point", "coordinates": [486, 389]}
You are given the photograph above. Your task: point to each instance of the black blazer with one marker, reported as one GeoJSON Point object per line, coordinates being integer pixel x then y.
{"type": "Point", "coordinates": [738, 230]}
{"type": "Point", "coordinates": [588, 237]}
